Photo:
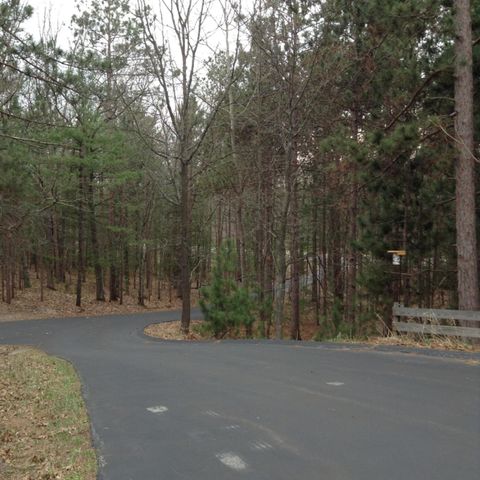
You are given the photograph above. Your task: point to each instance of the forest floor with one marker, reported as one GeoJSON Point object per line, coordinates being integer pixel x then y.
{"type": "Point", "coordinates": [60, 302]}
{"type": "Point", "coordinates": [44, 426]}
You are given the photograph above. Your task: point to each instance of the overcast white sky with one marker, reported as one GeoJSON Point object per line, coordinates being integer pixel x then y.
{"type": "Point", "coordinates": [61, 13]}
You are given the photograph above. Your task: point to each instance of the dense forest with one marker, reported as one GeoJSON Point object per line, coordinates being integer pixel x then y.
{"type": "Point", "coordinates": [296, 143]}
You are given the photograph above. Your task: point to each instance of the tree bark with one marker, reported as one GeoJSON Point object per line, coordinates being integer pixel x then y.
{"type": "Point", "coordinates": [112, 254]}
{"type": "Point", "coordinates": [80, 255]}
{"type": "Point", "coordinates": [351, 252]}
{"type": "Point", "coordinates": [141, 269]}
{"type": "Point", "coordinates": [185, 246]}
{"type": "Point", "coordinates": [295, 273]}
{"type": "Point", "coordinates": [467, 265]}
{"type": "Point", "coordinates": [8, 276]}
{"type": "Point", "coordinates": [100, 294]}
{"type": "Point", "coordinates": [50, 259]}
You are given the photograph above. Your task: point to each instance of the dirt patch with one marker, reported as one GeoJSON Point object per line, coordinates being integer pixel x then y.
{"type": "Point", "coordinates": [44, 427]}
{"type": "Point", "coordinates": [60, 302]}
{"type": "Point", "coordinates": [172, 331]}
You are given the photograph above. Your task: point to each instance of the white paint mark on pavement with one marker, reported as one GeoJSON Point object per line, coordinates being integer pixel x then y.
{"type": "Point", "coordinates": [231, 427]}
{"type": "Point", "coordinates": [232, 461]}
{"type": "Point", "coordinates": [261, 446]}
{"type": "Point", "coordinates": [158, 409]}
{"type": "Point", "coordinates": [335, 384]}
{"type": "Point", "coordinates": [211, 413]}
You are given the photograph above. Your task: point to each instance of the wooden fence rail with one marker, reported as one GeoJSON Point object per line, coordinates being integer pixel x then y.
{"type": "Point", "coordinates": [434, 316]}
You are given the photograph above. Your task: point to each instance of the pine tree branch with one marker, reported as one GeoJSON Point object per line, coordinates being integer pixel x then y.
{"type": "Point", "coordinates": [29, 120]}
{"type": "Point", "coordinates": [15, 226]}
{"type": "Point", "coordinates": [417, 92]}
{"type": "Point", "coordinates": [34, 76]}
{"type": "Point", "coordinates": [39, 142]}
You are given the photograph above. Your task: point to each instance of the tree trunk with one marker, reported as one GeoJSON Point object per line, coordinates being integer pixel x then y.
{"type": "Point", "coordinates": [351, 253]}
{"type": "Point", "coordinates": [314, 256]}
{"type": "Point", "coordinates": [112, 254]}
{"type": "Point", "coordinates": [240, 239]}
{"type": "Point", "coordinates": [100, 294]}
{"type": "Point", "coordinates": [25, 272]}
{"type": "Point", "coordinates": [315, 252]}
{"type": "Point", "coordinates": [324, 265]}
{"type": "Point", "coordinates": [49, 258]}
{"type": "Point", "coordinates": [281, 267]}
{"type": "Point", "coordinates": [185, 246]}
{"type": "Point", "coordinates": [80, 259]}
{"type": "Point", "coordinates": [467, 265]}
{"type": "Point", "coordinates": [267, 286]}
{"type": "Point", "coordinates": [42, 296]}
{"type": "Point", "coordinates": [61, 277]}
{"type": "Point", "coordinates": [141, 268]}
{"type": "Point", "coordinates": [295, 274]}
{"type": "Point", "coordinates": [125, 280]}
{"type": "Point", "coordinates": [8, 276]}
{"type": "Point", "coordinates": [120, 283]}
{"type": "Point", "coordinates": [279, 286]}
{"type": "Point", "coordinates": [126, 269]}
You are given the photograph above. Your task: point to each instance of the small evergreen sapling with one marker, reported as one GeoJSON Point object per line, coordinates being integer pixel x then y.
{"type": "Point", "coordinates": [226, 306]}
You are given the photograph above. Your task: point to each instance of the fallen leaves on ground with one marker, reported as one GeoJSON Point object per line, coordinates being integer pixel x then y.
{"type": "Point", "coordinates": [172, 331]}
{"type": "Point", "coordinates": [61, 302]}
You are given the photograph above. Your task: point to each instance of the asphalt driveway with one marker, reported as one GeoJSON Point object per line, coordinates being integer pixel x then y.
{"type": "Point", "coordinates": [264, 410]}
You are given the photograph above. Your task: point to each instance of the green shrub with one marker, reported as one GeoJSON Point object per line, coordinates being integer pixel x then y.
{"type": "Point", "coordinates": [226, 306]}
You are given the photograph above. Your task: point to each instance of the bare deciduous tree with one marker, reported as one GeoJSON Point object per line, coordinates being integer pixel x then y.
{"type": "Point", "coordinates": [173, 43]}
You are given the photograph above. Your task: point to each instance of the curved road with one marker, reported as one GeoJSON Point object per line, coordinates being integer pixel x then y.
{"type": "Point", "coordinates": [264, 411]}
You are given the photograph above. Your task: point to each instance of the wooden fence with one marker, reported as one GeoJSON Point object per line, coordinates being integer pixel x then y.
{"type": "Point", "coordinates": [434, 317]}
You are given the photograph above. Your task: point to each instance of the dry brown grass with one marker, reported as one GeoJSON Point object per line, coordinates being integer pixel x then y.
{"type": "Point", "coordinates": [44, 428]}
{"type": "Point", "coordinates": [61, 302]}
{"type": "Point", "coordinates": [425, 341]}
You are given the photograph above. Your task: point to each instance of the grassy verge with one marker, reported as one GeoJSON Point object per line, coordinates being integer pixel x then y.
{"type": "Point", "coordinates": [44, 427]}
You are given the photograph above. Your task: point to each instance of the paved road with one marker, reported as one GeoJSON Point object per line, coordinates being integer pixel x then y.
{"type": "Point", "coordinates": [225, 410]}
